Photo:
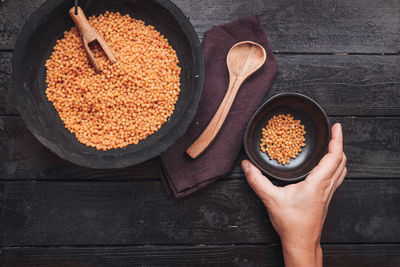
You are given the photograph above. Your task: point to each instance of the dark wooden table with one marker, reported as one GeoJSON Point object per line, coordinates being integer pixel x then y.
{"type": "Point", "coordinates": [342, 53]}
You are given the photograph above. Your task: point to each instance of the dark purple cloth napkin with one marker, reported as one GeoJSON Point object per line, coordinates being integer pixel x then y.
{"type": "Point", "coordinates": [183, 175]}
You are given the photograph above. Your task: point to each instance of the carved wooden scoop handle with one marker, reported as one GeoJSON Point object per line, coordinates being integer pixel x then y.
{"type": "Point", "coordinates": [88, 35]}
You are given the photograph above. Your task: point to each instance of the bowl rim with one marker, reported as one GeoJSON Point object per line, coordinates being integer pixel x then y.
{"type": "Point", "coordinates": [245, 137]}
{"type": "Point", "coordinates": [32, 24]}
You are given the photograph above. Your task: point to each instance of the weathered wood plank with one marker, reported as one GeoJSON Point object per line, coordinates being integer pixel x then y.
{"type": "Point", "coordinates": [126, 213]}
{"type": "Point", "coordinates": [292, 26]}
{"type": "Point", "coordinates": [343, 85]}
{"type": "Point", "coordinates": [362, 255]}
{"type": "Point", "coordinates": [22, 156]}
{"type": "Point", "coordinates": [7, 103]}
{"type": "Point", "coordinates": [371, 144]}
{"type": "Point", "coordinates": [304, 26]}
{"type": "Point", "coordinates": [13, 15]}
{"type": "Point", "coordinates": [257, 255]}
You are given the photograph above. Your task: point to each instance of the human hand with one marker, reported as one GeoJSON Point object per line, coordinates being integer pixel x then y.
{"type": "Point", "coordinates": [298, 211]}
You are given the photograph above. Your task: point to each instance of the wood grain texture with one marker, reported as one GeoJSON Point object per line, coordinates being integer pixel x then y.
{"type": "Point", "coordinates": [7, 102]}
{"type": "Point", "coordinates": [343, 85]}
{"type": "Point", "coordinates": [372, 146]}
{"type": "Point", "coordinates": [113, 216]}
{"type": "Point", "coordinates": [233, 255]}
{"type": "Point", "coordinates": [22, 156]}
{"type": "Point", "coordinates": [292, 26]}
{"type": "Point", "coordinates": [121, 213]}
{"type": "Point", "coordinates": [13, 15]}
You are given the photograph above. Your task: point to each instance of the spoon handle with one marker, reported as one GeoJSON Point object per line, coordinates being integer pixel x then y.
{"type": "Point", "coordinates": [208, 135]}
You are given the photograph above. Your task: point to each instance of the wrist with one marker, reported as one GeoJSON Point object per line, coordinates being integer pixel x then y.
{"type": "Point", "coordinates": [303, 255]}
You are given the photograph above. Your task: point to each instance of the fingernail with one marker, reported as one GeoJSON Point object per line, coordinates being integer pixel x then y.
{"type": "Point", "coordinates": [340, 125]}
{"type": "Point", "coordinates": [246, 165]}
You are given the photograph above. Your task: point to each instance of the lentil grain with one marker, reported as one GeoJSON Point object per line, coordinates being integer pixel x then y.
{"type": "Point", "coordinates": [283, 138]}
{"type": "Point", "coordinates": [127, 101]}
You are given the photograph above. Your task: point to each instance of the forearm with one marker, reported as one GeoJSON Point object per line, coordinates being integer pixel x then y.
{"type": "Point", "coordinates": [307, 257]}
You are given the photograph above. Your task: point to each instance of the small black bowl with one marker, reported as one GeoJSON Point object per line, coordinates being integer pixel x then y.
{"type": "Point", "coordinates": [315, 122]}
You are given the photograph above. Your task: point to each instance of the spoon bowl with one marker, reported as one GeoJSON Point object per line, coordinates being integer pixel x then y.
{"type": "Point", "coordinates": [245, 58]}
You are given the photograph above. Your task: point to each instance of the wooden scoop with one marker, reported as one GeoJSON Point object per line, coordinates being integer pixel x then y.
{"type": "Point", "coordinates": [89, 35]}
{"type": "Point", "coordinates": [243, 59]}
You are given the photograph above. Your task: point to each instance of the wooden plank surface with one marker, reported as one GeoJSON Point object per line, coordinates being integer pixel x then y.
{"type": "Point", "coordinates": [127, 213]}
{"type": "Point", "coordinates": [22, 156]}
{"type": "Point", "coordinates": [55, 213]}
{"type": "Point", "coordinates": [371, 144]}
{"type": "Point", "coordinates": [360, 26]}
{"type": "Point", "coordinates": [233, 255]}
{"type": "Point", "coordinates": [343, 85]}
{"type": "Point", "coordinates": [7, 103]}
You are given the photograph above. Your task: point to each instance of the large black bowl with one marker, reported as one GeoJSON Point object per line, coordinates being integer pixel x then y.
{"type": "Point", "coordinates": [317, 127]}
{"type": "Point", "coordinates": [34, 46]}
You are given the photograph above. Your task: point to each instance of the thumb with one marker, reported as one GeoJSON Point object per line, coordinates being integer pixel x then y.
{"type": "Point", "coordinates": [260, 184]}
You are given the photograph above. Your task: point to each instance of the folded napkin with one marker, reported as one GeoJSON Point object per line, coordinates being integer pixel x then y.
{"type": "Point", "coordinates": [183, 175]}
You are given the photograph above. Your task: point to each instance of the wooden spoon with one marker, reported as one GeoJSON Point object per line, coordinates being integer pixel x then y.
{"type": "Point", "coordinates": [243, 59]}
{"type": "Point", "coordinates": [89, 35]}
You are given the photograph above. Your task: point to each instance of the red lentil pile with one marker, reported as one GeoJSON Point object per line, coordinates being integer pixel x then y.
{"type": "Point", "coordinates": [283, 138]}
{"type": "Point", "coordinates": [127, 101]}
